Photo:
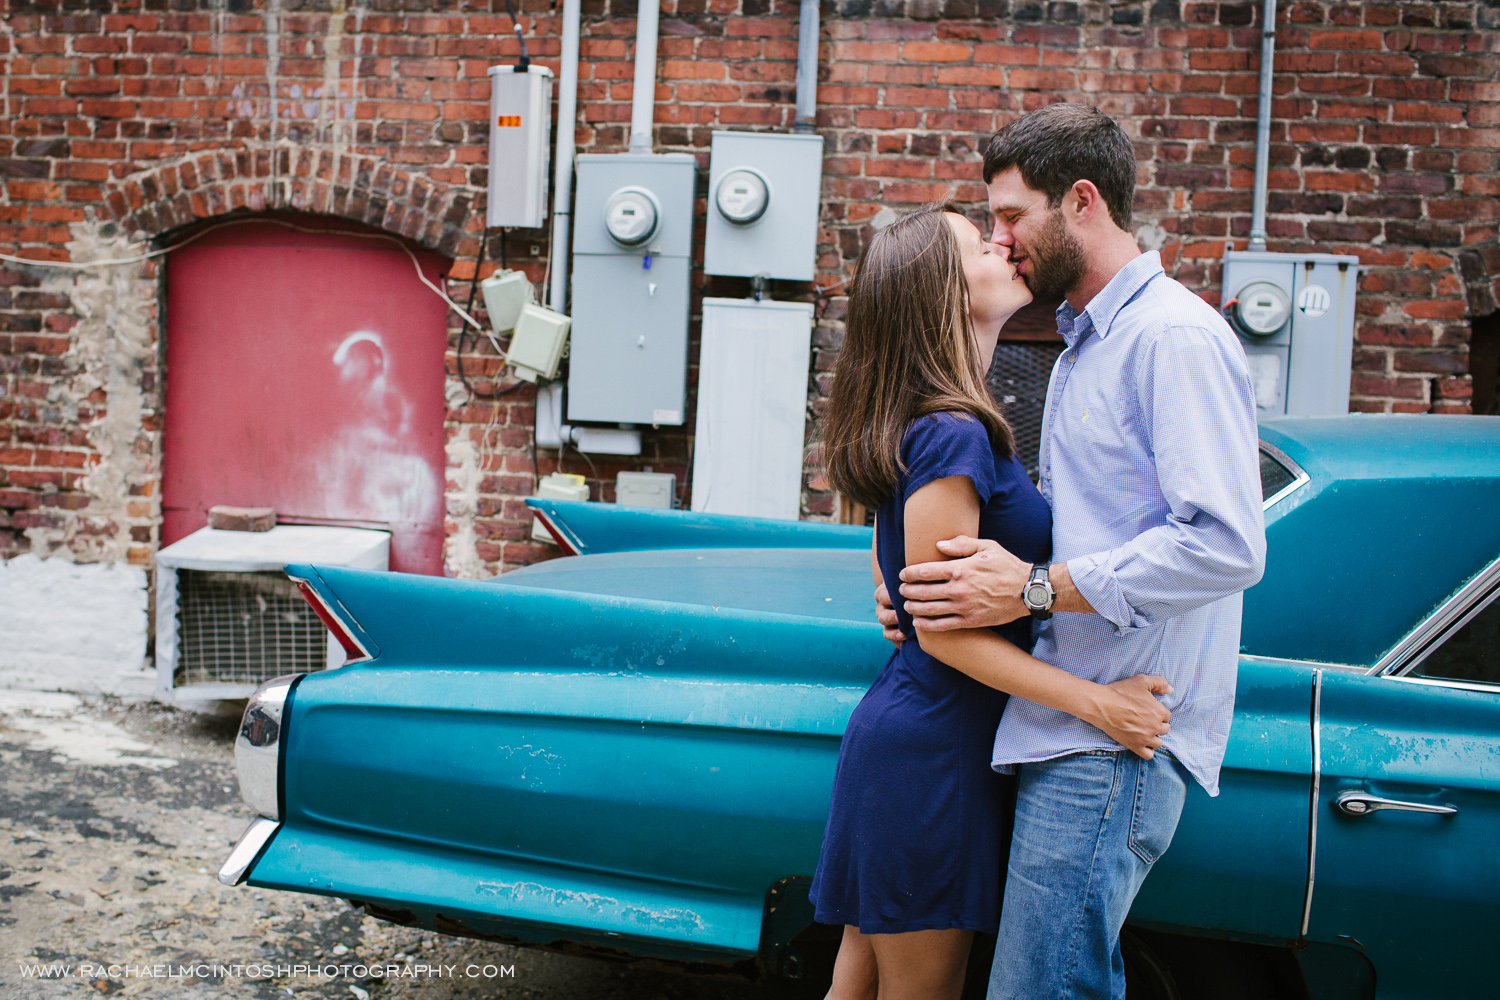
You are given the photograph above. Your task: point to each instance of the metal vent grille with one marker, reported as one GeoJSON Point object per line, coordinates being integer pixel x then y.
{"type": "Point", "coordinates": [244, 628]}
{"type": "Point", "coordinates": [1018, 380]}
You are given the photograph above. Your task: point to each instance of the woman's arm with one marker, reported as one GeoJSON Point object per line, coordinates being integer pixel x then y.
{"type": "Point", "coordinates": [1126, 711]}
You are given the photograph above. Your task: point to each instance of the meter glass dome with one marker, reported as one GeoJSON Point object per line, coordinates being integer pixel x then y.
{"type": "Point", "coordinates": [1262, 308]}
{"type": "Point", "coordinates": [742, 196]}
{"type": "Point", "coordinates": [631, 216]}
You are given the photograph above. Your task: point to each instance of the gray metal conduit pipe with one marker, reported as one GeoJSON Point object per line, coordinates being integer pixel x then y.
{"type": "Point", "coordinates": [643, 94]}
{"type": "Point", "coordinates": [562, 164]}
{"type": "Point", "coordinates": [807, 68]}
{"type": "Point", "coordinates": [1263, 128]}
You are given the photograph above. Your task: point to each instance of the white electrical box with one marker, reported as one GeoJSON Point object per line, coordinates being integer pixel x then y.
{"type": "Point", "coordinates": [520, 139]}
{"type": "Point", "coordinates": [646, 489]}
{"type": "Point", "coordinates": [557, 486]}
{"type": "Point", "coordinates": [537, 345]}
{"type": "Point", "coordinates": [763, 199]}
{"type": "Point", "coordinates": [1294, 315]}
{"type": "Point", "coordinates": [752, 407]}
{"type": "Point", "coordinates": [632, 257]}
{"type": "Point", "coordinates": [505, 292]}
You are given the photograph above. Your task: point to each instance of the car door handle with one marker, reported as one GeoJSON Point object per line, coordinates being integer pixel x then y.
{"type": "Point", "coordinates": [1362, 804]}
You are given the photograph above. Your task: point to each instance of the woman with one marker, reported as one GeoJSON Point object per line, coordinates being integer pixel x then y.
{"type": "Point", "coordinates": [911, 859]}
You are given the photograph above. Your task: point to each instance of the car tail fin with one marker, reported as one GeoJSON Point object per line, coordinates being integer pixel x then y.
{"type": "Point", "coordinates": [358, 646]}
{"type": "Point", "coordinates": [591, 528]}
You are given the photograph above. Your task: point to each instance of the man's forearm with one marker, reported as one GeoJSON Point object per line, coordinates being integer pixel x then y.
{"type": "Point", "coordinates": [1168, 570]}
{"type": "Point", "coordinates": [1068, 597]}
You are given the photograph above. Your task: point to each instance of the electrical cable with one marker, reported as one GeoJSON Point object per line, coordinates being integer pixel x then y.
{"type": "Point", "coordinates": [581, 454]}
{"type": "Point", "coordinates": [524, 63]}
{"type": "Point", "coordinates": [484, 239]}
{"type": "Point", "coordinates": [536, 470]}
{"type": "Point", "coordinates": [112, 262]}
{"type": "Point", "coordinates": [463, 333]}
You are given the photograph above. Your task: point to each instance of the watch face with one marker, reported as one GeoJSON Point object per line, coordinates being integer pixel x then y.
{"type": "Point", "coordinates": [1036, 596]}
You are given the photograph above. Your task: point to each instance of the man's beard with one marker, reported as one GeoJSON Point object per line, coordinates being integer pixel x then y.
{"type": "Point", "coordinates": [1056, 258]}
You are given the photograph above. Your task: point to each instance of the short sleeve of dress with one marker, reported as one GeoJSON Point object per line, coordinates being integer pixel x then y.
{"type": "Point", "coordinates": [940, 445]}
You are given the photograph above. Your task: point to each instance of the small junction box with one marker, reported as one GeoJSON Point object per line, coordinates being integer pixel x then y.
{"type": "Point", "coordinates": [646, 489]}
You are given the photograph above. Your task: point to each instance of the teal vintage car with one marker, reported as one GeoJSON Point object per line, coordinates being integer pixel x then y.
{"type": "Point", "coordinates": [629, 752]}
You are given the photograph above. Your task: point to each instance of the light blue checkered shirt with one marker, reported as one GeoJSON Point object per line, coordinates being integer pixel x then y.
{"type": "Point", "coordinates": [1149, 462]}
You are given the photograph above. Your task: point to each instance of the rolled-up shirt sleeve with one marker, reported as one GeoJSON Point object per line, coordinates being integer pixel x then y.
{"type": "Point", "coordinates": [1196, 399]}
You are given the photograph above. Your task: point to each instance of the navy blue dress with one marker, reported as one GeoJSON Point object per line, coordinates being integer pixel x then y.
{"type": "Point", "coordinates": [919, 825]}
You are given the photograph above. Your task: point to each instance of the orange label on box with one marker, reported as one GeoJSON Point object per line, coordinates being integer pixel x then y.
{"type": "Point", "coordinates": [508, 121]}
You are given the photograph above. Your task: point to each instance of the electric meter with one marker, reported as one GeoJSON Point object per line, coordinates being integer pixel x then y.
{"type": "Point", "coordinates": [1262, 308]}
{"type": "Point", "coordinates": [631, 215]}
{"type": "Point", "coordinates": [742, 196]}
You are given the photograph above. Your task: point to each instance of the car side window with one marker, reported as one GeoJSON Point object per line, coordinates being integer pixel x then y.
{"type": "Point", "coordinates": [1274, 477]}
{"type": "Point", "coordinates": [1470, 654]}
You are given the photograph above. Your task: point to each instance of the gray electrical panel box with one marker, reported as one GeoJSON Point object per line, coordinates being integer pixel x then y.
{"type": "Point", "coordinates": [1294, 314]}
{"type": "Point", "coordinates": [520, 129]}
{"type": "Point", "coordinates": [632, 253]}
{"type": "Point", "coordinates": [763, 198]}
{"type": "Point", "coordinates": [646, 489]}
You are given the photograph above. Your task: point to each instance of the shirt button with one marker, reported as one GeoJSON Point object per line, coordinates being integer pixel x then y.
{"type": "Point", "coordinates": [1072, 357]}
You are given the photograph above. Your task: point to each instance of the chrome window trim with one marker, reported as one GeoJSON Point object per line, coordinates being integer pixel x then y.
{"type": "Point", "coordinates": [1317, 780]}
{"type": "Point", "coordinates": [1300, 478]}
{"type": "Point", "coordinates": [1455, 685]}
{"type": "Point", "coordinates": [1472, 598]}
{"type": "Point", "coordinates": [1350, 668]}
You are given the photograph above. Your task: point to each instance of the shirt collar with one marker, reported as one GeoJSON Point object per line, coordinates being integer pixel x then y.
{"type": "Point", "coordinates": [1100, 313]}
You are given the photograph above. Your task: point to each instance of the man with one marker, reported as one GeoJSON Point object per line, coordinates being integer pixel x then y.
{"type": "Point", "coordinates": [1149, 461]}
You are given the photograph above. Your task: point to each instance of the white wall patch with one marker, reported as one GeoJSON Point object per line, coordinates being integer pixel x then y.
{"type": "Point", "coordinates": [73, 626]}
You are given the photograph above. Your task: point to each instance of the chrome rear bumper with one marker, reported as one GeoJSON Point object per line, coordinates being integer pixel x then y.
{"type": "Point", "coordinates": [247, 849]}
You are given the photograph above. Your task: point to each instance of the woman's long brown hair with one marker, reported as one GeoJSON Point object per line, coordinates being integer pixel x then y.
{"type": "Point", "coordinates": [909, 349]}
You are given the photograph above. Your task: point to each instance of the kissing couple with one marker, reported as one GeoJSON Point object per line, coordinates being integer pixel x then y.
{"type": "Point", "coordinates": [1066, 651]}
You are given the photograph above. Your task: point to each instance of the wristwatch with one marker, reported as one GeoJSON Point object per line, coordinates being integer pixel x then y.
{"type": "Point", "coordinates": [1038, 594]}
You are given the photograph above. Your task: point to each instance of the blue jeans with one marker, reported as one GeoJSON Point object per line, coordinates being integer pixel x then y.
{"type": "Point", "coordinates": [1089, 826]}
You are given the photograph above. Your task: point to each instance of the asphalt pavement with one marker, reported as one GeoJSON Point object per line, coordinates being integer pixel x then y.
{"type": "Point", "coordinates": [114, 818]}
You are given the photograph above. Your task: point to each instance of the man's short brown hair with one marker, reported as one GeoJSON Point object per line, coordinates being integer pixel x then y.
{"type": "Point", "coordinates": [1058, 145]}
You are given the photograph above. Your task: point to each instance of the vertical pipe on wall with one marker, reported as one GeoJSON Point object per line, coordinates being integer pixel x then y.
{"type": "Point", "coordinates": [643, 96]}
{"type": "Point", "coordinates": [1263, 128]}
{"type": "Point", "coordinates": [807, 68]}
{"type": "Point", "coordinates": [567, 118]}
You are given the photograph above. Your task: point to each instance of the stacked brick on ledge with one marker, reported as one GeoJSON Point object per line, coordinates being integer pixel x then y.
{"type": "Point", "coordinates": [136, 118]}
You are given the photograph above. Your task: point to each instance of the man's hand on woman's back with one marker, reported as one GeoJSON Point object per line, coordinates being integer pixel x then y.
{"type": "Point", "coordinates": [886, 614]}
{"type": "Point", "coordinates": [1128, 713]}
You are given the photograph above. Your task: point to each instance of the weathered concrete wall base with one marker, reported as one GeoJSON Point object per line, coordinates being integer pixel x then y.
{"type": "Point", "coordinates": [73, 627]}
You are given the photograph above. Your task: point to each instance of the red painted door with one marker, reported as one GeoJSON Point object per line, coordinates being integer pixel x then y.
{"type": "Point", "coordinates": [305, 373]}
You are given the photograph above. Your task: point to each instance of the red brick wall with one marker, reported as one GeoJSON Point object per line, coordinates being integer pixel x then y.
{"type": "Point", "coordinates": [138, 118]}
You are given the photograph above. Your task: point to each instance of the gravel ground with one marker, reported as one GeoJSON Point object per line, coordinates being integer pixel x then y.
{"type": "Point", "coordinates": [113, 820]}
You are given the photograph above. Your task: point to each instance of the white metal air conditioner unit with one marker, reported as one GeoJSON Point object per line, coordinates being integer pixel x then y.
{"type": "Point", "coordinates": [228, 618]}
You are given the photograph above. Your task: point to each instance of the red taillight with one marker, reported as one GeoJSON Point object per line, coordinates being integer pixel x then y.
{"type": "Point", "coordinates": [352, 648]}
{"type": "Point", "coordinates": [562, 540]}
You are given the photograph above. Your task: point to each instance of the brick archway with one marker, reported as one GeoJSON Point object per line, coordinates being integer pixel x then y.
{"type": "Point", "coordinates": [359, 188]}
{"type": "Point", "coordinates": [115, 511]}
